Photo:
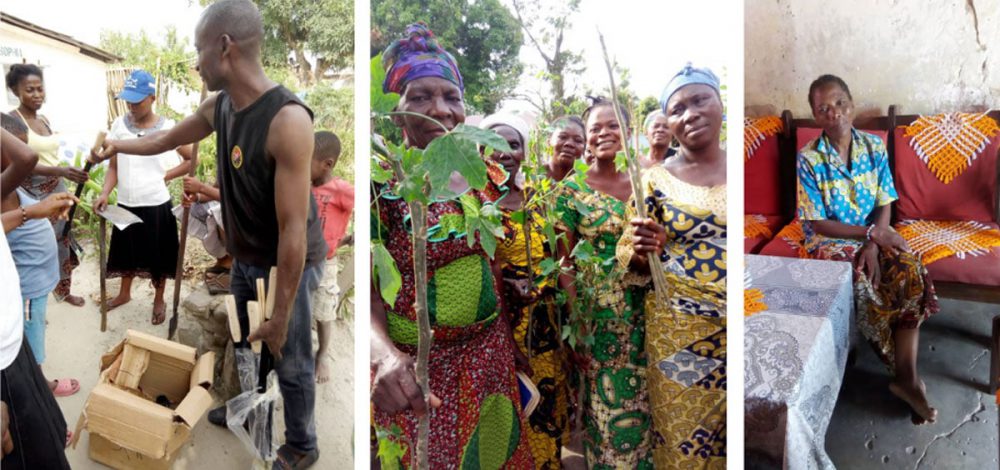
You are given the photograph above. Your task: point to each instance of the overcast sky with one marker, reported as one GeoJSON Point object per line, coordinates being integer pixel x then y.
{"type": "Point", "coordinates": [85, 19]}
{"type": "Point", "coordinates": [652, 38]}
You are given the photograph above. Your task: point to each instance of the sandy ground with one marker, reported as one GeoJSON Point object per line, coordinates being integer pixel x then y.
{"type": "Point", "coordinates": [75, 343]}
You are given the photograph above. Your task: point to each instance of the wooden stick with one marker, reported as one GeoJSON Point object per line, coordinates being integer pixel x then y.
{"type": "Point", "coordinates": [272, 286]}
{"type": "Point", "coordinates": [98, 144]}
{"type": "Point", "coordinates": [179, 274]}
{"type": "Point", "coordinates": [101, 234]}
{"type": "Point", "coordinates": [234, 318]}
{"type": "Point", "coordinates": [655, 270]}
{"type": "Point", "coordinates": [255, 319]}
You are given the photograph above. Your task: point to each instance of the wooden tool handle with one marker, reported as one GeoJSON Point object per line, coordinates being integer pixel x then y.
{"type": "Point", "coordinates": [234, 319]}
{"type": "Point", "coordinates": [272, 287]}
{"type": "Point", "coordinates": [253, 314]}
{"type": "Point", "coordinates": [99, 142]}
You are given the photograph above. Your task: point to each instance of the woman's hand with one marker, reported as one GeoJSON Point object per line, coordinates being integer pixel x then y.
{"type": "Point", "coordinates": [866, 262]}
{"type": "Point", "coordinates": [101, 204]}
{"type": "Point", "coordinates": [395, 388]}
{"type": "Point", "coordinates": [649, 238]}
{"type": "Point", "coordinates": [192, 186]}
{"type": "Point", "coordinates": [54, 206]}
{"type": "Point", "coordinates": [523, 291]}
{"type": "Point", "coordinates": [521, 362]}
{"type": "Point", "coordinates": [75, 175]}
{"type": "Point", "coordinates": [106, 151]}
{"type": "Point", "coordinates": [889, 239]}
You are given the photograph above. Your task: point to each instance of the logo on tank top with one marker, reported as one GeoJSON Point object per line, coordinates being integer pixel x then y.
{"type": "Point", "coordinates": [236, 157]}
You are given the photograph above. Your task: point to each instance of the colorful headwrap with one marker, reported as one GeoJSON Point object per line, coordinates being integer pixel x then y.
{"type": "Point", "coordinates": [418, 55]}
{"type": "Point", "coordinates": [688, 76]}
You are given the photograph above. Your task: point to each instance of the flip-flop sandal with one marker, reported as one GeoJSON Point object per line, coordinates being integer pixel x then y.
{"type": "Point", "coordinates": [289, 459]}
{"type": "Point", "coordinates": [159, 317]}
{"type": "Point", "coordinates": [66, 387]}
{"type": "Point", "coordinates": [218, 284]}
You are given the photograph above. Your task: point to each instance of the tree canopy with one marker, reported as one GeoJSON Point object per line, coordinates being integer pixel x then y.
{"type": "Point", "coordinates": [482, 34]}
{"type": "Point", "coordinates": [319, 34]}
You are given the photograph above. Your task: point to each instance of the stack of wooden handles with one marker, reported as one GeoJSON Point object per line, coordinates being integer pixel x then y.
{"type": "Point", "coordinates": [257, 310]}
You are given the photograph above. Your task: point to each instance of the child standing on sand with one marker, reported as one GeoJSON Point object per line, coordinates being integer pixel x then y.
{"type": "Point", "coordinates": [335, 201]}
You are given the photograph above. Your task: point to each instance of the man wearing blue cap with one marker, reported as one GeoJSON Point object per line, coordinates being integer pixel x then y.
{"type": "Point", "coordinates": [148, 249]}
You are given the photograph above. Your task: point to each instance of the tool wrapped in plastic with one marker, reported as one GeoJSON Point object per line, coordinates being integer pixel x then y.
{"type": "Point", "coordinates": [250, 415]}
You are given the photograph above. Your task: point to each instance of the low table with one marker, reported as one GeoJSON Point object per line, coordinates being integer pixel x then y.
{"type": "Point", "coordinates": [795, 351]}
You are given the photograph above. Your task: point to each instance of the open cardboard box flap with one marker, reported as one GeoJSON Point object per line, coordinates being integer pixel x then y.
{"type": "Point", "coordinates": [133, 422]}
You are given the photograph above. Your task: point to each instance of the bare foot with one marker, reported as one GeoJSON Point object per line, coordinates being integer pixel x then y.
{"type": "Point", "coordinates": [916, 398]}
{"type": "Point", "coordinates": [118, 301]}
{"type": "Point", "coordinates": [322, 370]}
{"type": "Point", "coordinates": [74, 300]}
{"type": "Point", "coordinates": [159, 312]}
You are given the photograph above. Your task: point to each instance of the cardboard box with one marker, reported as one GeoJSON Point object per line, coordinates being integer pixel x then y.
{"type": "Point", "coordinates": [150, 394]}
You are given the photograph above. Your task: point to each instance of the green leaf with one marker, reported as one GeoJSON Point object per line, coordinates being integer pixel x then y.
{"type": "Point", "coordinates": [385, 273]}
{"type": "Point", "coordinates": [412, 188]}
{"type": "Point", "coordinates": [581, 207]}
{"type": "Point", "coordinates": [380, 174]}
{"type": "Point", "coordinates": [447, 154]}
{"type": "Point", "coordinates": [548, 265]}
{"type": "Point", "coordinates": [484, 137]}
{"type": "Point", "coordinates": [381, 102]}
{"type": "Point", "coordinates": [583, 251]}
{"type": "Point", "coordinates": [621, 161]}
{"type": "Point", "coordinates": [517, 217]}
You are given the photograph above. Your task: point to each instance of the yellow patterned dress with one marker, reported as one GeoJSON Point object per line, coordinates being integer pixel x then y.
{"type": "Point", "coordinates": [548, 427]}
{"type": "Point", "coordinates": [686, 339]}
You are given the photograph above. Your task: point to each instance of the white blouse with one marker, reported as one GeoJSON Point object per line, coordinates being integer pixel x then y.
{"type": "Point", "coordinates": [140, 178]}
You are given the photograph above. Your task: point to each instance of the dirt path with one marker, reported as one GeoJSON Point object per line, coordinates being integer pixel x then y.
{"type": "Point", "coordinates": [75, 343]}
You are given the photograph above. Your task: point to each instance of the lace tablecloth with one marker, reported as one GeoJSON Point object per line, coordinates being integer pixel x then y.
{"type": "Point", "coordinates": [795, 354]}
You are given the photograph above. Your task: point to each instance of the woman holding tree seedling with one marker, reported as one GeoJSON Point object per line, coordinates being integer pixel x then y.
{"type": "Point", "coordinates": [473, 398]}
{"type": "Point", "coordinates": [615, 403]}
{"type": "Point", "coordinates": [685, 228]}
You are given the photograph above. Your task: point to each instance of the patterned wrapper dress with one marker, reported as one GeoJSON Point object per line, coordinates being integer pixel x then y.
{"type": "Point", "coordinates": [828, 189]}
{"type": "Point", "coordinates": [616, 408]}
{"type": "Point", "coordinates": [686, 337]}
{"type": "Point", "coordinates": [479, 424]}
{"type": "Point", "coordinates": [537, 327]}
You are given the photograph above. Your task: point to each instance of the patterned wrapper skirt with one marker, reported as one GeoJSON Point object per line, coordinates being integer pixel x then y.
{"type": "Point", "coordinates": [479, 423]}
{"type": "Point", "coordinates": [903, 297]}
{"type": "Point", "coordinates": [40, 187]}
{"type": "Point", "coordinates": [548, 429]}
{"type": "Point", "coordinates": [148, 249]}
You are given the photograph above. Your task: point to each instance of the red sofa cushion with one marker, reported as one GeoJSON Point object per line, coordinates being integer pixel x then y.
{"type": "Point", "coordinates": [970, 196]}
{"type": "Point", "coordinates": [761, 185]}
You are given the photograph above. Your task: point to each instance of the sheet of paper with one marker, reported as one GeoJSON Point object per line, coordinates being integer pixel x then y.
{"type": "Point", "coordinates": [120, 217]}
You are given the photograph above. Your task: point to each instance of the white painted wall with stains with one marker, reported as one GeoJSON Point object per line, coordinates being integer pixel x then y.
{"type": "Point", "coordinates": [925, 56]}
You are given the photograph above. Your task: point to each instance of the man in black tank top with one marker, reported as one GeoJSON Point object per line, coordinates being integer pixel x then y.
{"type": "Point", "coordinates": [265, 144]}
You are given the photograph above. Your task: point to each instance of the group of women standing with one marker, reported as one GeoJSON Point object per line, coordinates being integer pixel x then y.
{"type": "Point", "coordinates": [651, 374]}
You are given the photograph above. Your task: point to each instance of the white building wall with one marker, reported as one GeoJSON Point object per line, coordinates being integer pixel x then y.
{"type": "Point", "coordinates": [926, 57]}
{"type": "Point", "coordinates": [75, 84]}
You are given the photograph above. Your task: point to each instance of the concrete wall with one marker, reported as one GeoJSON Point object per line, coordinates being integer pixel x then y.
{"type": "Point", "coordinates": [75, 84]}
{"type": "Point", "coordinates": [925, 56]}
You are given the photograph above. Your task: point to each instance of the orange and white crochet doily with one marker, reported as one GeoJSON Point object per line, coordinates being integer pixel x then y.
{"type": "Point", "coordinates": [795, 237]}
{"type": "Point", "coordinates": [935, 239]}
{"type": "Point", "coordinates": [949, 143]}
{"type": "Point", "coordinates": [755, 130]}
{"type": "Point", "coordinates": [755, 225]}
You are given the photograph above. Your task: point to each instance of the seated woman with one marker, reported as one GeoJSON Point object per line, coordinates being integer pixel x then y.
{"type": "Point", "coordinates": [616, 401]}
{"type": "Point", "coordinates": [845, 190]}
{"type": "Point", "coordinates": [567, 140]}
{"type": "Point", "coordinates": [530, 298]}
{"type": "Point", "coordinates": [474, 396]}
{"type": "Point", "coordinates": [685, 199]}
